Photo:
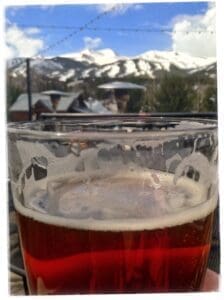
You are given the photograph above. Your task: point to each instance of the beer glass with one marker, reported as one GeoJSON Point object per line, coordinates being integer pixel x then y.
{"type": "Point", "coordinates": [114, 205]}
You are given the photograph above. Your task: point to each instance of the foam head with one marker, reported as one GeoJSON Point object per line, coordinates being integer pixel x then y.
{"type": "Point", "coordinates": [125, 201]}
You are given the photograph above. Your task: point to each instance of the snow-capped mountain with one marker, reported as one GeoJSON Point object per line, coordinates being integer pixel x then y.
{"type": "Point", "coordinates": [100, 57]}
{"type": "Point", "coordinates": [107, 63]}
{"type": "Point", "coordinates": [180, 60]}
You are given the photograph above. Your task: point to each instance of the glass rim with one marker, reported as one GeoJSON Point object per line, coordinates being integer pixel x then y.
{"type": "Point", "coordinates": [28, 129]}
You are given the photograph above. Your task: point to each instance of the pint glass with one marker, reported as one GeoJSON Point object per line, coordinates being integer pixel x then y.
{"type": "Point", "coordinates": [122, 205]}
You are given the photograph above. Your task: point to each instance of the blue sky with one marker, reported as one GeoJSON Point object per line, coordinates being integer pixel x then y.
{"type": "Point", "coordinates": [149, 15]}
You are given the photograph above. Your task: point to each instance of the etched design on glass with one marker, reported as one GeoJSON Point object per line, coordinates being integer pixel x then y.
{"type": "Point", "coordinates": [38, 168]}
{"type": "Point", "coordinates": [39, 165]}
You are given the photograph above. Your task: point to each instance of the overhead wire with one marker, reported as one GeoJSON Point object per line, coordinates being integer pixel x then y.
{"type": "Point", "coordinates": [77, 30]}
{"type": "Point", "coordinates": [73, 32]}
{"type": "Point", "coordinates": [87, 26]}
{"type": "Point", "coordinates": [117, 29]}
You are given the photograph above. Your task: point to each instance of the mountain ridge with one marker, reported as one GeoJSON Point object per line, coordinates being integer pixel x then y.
{"type": "Point", "coordinates": [107, 63]}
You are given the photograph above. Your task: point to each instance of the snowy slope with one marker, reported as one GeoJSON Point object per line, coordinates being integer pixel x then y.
{"type": "Point", "coordinates": [180, 60]}
{"type": "Point", "coordinates": [100, 57]}
{"type": "Point", "coordinates": [107, 63]}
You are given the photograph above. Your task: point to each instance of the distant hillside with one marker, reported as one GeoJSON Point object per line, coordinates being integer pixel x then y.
{"type": "Point", "coordinates": [107, 64]}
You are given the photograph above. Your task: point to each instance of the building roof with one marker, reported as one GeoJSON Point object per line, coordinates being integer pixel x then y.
{"type": "Point", "coordinates": [55, 92]}
{"type": "Point", "coordinates": [21, 103]}
{"type": "Point", "coordinates": [121, 85]}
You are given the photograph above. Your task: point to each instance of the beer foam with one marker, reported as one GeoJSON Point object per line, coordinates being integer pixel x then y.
{"type": "Point", "coordinates": [125, 201]}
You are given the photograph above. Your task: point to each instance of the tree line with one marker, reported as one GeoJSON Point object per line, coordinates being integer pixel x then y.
{"type": "Point", "coordinates": [180, 94]}
{"type": "Point", "coordinates": [169, 93]}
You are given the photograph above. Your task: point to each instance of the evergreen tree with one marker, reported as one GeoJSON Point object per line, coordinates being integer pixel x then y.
{"type": "Point", "coordinates": [174, 95]}
{"type": "Point", "coordinates": [12, 93]}
{"type": "Point", "coordinates": [210, 99]}
{"type": "Point", "coordinates": [149, 99]}
{"type": "Point", "coordinates": [135, 102]}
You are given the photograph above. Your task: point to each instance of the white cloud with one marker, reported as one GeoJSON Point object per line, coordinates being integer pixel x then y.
{"type": "Point", "coordinates": [21, 44]}
{"type": "Point", "coordinates": [186, 37]}
{"type": "Point", "coordinates": [92, 43]}
{"type": "Point", "coordinates": [118, 9]}
{"type": "Point", "coordinates": [32, 30]}
{"type": "Point", "coordinates": [9, 52]}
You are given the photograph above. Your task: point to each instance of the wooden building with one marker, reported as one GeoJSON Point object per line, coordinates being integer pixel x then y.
{"type": "Point", "coordinates": [19, 111]}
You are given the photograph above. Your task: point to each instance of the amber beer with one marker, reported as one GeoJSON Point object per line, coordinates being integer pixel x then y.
{"type": "Point", "coordinates": [159, 241]}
